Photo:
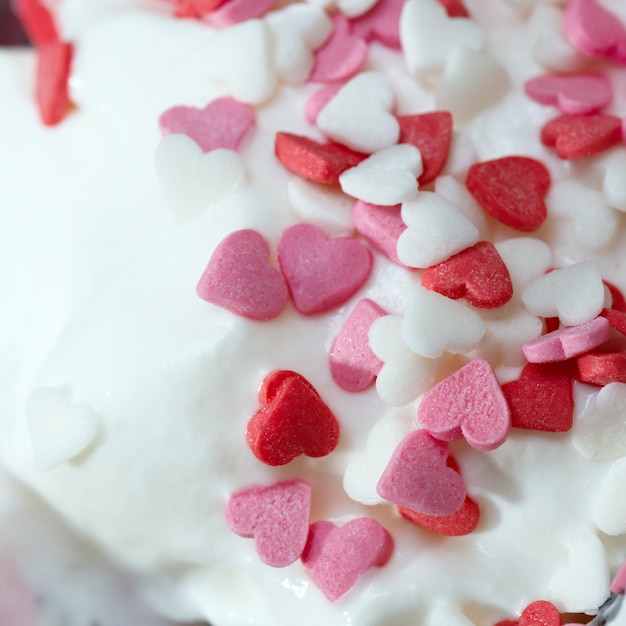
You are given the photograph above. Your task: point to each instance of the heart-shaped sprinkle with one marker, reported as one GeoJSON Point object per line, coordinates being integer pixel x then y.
{"type": "Point", "coordinates": [195, 8]}
{"type": "Point", "coordinates": [293, 420]}
{"type": "Point", "coordinates": [575, 294]}
{"type": "Point", "coordinates": [540, 613]}
{"type": "Point", "coordinates": [457, 524]}
{"type": "Point", "coordinates": [318, 100]}
{"type": "Point", "coordinates": [468, 404]}
{"type": "Point", "coordinates": [321, 163]}
{"type": "Point", "coordinates": [577, 94]}
{"type": "Point", "coordinates": [366, 466]}
{"type": "Point", "coordinates": [236, 11]}
{"type": "Point", "coordinates": [223, 123]}
{"type": "Point", "coordinates": [341, 56]}
{"type": "Point", "coordinates": [512, 190]}
{"type": "Point", "coordinates": [404, 375]}
{"type": "Point", "coordinates": [600, 430]}
{"type": "Point", "coordinates": [609, 511]}
{"type": "Point", "coordinates": [336, 557]}
{"type": "Point", "coordinates": [618, 302]}
{"type": "Point", "coordinates": [582, 136]}
{"type": "Point", "coordinates": [59, 430]}
{"type": "Point", "coordinates": [387, 177]}
{"type": "Point", "coordinates": [321, 273]}
{"type": "Point", "coordinates": [526, 258]}
{"type": "Point", "coordinates": [360, 115]}
{"type": "Point", "coordinates": [240, 279]}
{"type": "Point", "coordinates": [602, 369]}
{"type": "Point", "coordinates": [614, 183]}
{"type": "Point", "coordinates": [380, 226]}
{"type": "Point", "coordinates": [381, 23]}
{"type": "Point", "coordinates": [54, 64]}
{"type": "Point", "coordinates": [277, 516]}
{"type": "Point", "coordinates": [436, 230]}
{"type": "Point", "coordinates": [191, 180]}
{"type": "Point", "coordinates": [616, 319]}
{"type": "Point", "coordinates": [431, 134]}
{"type": "Point", "coordinates": [541, 399]}
{"type": "Point", "coordinates": [37, 21]}
{"type": "Point", "coordinates": [454, 8]}
{"type": "Point", "coordinates": [428, 35]}
{"type": "Point", "coordinates": [417, 477]}
{"type": "Point", "coordinates": [567, 342]}
{"type": "Point", "coordinates": [582, 584]}
{"type": "Point", "coordinates": [594, 31]}
{"type": "Point", "coordinates": [618, 584]}
{"type": "Point", "coordinates": [477, 274]}
{"type": "Point", "coordinates": [434, 324]}
{"type": "Point", "coordinates": [353, 365]}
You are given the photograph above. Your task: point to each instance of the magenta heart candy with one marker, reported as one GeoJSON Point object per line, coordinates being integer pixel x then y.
{"type": "Point", "coordinates": [417, 477]}
{"type": "Point", "coordinates": [469, 404]}
{"type": "Point", "coordinates": [223, 123]}
{"type": "Point", "coordinates": [239, 277]}
{"type": "Point", "coordinates": [321, 273]}
{"type": "Point", "coordinates": [335, 558]}
{"type": "Point", "coordinates": [276, 516]}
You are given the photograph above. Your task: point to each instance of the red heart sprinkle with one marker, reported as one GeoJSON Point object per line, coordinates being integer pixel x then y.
{"type": "Point", "coordinates": [616, 319]}
{"type": "Point", "coordinates": [54, 61]}
{"type": "Point", "coordinates": [276, 516]}
{"type": "Point", "coordinates": [618, 302]}
{"type": "Point", "coordinates": [580, 136]}
{"type": "Point", "coordinates": [321, 163]}
{"type": "Point", "coordinates": [542, 398]}
{"type": "Point", "coordinates": [335, 557]}
{"type": "Point", "coordinates": [454, 8]}
{"type": "Point", "coordinates": [321, 273]}
{"type": "Point", "coordinates": [540, 613]}
{"type": "Point", "coordinates": [293, 420]}
{"type": "Point", "coordinates": [511, 189]}
{"type": "Point", "coordinates": [602, 368]}
{"type": "Point", "coordinates": [463, 522]}
{"type": "Point", "coordinates": [195, 8]}
{"type": "Point", "coordinates": [37, 21]}
{"type": "Point", "coordinates": [477, 273]}
{"type": "Point", "coordinates": [431, 134]}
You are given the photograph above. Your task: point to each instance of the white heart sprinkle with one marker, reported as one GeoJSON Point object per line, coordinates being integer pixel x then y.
{"type": "Point", "coordinates": [472, 81]}
{"type": "Point", "coordinates": [366, 467]}
{"type": "Point", "coordinates": [241, 58]}
{"type": "Point", "coordinates": [609, 507]}
{"type": "Point", "coordinates": [599, 431]}
{"type": "Point", "coordinates": [428, 36]}
{"type": "Point", "coordinates": [614, 186]}
{"type": "Point", "coordinates": [434, 324]}
{"type": "Point", "coordinates": [59, 430]}
{"type": "Point", "coordinates": [450, 189]}
{"type": "Point", "coordinates": [297, 30]}
{"type": "Point", "coordinates": [526, 258]}
{"type": "Point", "coordinates": [192, 180]}
{"type": "Point", "coordinates": [436, 230]}
{"type": "Point", "coordinates": [387, 177]}
{"type": "Point", "coordinates": [594, 221]}
{"type": "Point", "coordinates": [404, 375]}
{"type": "Point", "coordinates": [582, 585]}
{"type": "Point", "coordinates": [360, 114]}
{"type": "Point", "coordinates": [575, 294]}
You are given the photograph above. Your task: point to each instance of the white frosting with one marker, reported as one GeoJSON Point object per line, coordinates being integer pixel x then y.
{"type": "Point", "coordinates": [108, 276]}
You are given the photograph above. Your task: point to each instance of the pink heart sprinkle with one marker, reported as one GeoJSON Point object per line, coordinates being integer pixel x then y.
{"type": "Point", "coordinates": [567, 342]}
{"type": "Point", "coordinates": [318, 100]}
{"type": "Point", "coordinates": [594, 31]}
{"type": "Point", "coordinates": [276, 516]}
{"type": "Point", "coordinates": [469, 404]}
{"type": "Point", "coordinates": [353, 365]}
{"type": "Point", "coordinates": [618, 584]}
{"type": "Point", "coordinates": [335, 558]}
{"type": "Point", "coordinates": [223, 123]}
{"type": "Point", "coordinates": [417, 477]}
{"type": "Point", "coordinates": [236, 11]}
{"type": "Point", "coordinates": [380, 226]}
{"type": "Point", "coordinates": [240, 279]}
{"type": "Point", "coordinates": [381, 23]}
{"type": "Point", "coordinates": [321, 273]}
{"type": "Point", "coordinates": [340, 56]}
{"type": "Point", "coordinates": [577, 94]}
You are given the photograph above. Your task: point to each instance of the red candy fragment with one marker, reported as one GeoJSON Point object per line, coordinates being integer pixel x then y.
{"type": "Point", "coordinates": [477, 273]}
{"type": "Point", "coordinates": [618, 302]}
{"type": "Point", "coordinates": [321, 163]}
{"type": "Point", "coordinates": [454, 8]}
{"type": "Point", "coordinates": [54, 61]}
{"type": "Point", "coordinates": [580, 136]}
{"type": "Point", "coordinates": [616, 319]}
{"type": "Point", "coordinates": [37, 21]}
{"type": "Point", "coordinates": [293, 420]}
{"type": "Point", "coordinates": [335, 558]}
{"type": "Point", "coordinates": [541, 399]}
{"type": "Point", "coordinates": [463, 522]}
{"type": "Point", "coordinates": [602, 369]}
{"type": "Point", "coordinates": [540, 613]}
{"type": "Point", "coordinates": [512, 190]}
{"type": "Point", "coordinates": [195, 8]}
{"type": "Point", "coordinates": [431, 134]}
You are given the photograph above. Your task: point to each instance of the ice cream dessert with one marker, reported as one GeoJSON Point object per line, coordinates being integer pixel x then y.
{"type": "Point", "coordinates": [268, 373]}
